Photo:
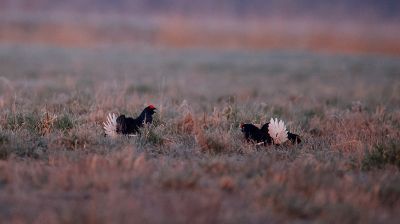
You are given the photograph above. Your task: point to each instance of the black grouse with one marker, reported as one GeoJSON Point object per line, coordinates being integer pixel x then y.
{"type": "Point", "coordinates": [128, 125]}
{"type": "Point", "coordinates": [269, 134]}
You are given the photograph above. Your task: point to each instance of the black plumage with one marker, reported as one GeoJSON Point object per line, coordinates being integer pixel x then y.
{"type": "Point", "coordinates": [295, 139]}
{"type": "Point", "coordinates": [253, 133]}
{"type": "Point", "coordinates": [261, 135]}
{"type": "Point", "coordinates": [129, 125]}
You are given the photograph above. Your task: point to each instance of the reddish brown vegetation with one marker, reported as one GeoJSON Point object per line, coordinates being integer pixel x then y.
{"type": "Point", "coordinates": [181, 32]}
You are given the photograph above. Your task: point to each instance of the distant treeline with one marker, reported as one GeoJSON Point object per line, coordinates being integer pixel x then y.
{"type": "Point", "coordinates": [327, 9]}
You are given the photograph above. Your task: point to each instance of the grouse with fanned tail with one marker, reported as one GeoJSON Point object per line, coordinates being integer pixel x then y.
{"type": "Point", "coordinates": [115, 126]}
{"type": "Point", "coordinates": [273, 132]}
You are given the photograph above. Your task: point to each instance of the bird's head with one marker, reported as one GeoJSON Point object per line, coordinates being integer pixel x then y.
{"type": "Point", "coordinates": [147, 114]}
{"type": "Point", "coordinates": [150, 109]}
{"type": "Point", "coordinates": [243, 127]}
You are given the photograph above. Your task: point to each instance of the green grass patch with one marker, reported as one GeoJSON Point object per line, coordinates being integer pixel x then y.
{"type": "Point", "coordinates": [64, 123]}
{"type": "Point", "coordinates": [383, 154]}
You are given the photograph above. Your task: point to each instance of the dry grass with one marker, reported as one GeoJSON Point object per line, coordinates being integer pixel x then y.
{"type": "Point", "coordinates": [192, 165]}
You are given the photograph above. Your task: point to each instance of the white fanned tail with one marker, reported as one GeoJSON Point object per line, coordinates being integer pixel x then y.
{"type": "Point", "coordinates": [110, 126]}
{"type": "Point", "coordinates": [277, 131]}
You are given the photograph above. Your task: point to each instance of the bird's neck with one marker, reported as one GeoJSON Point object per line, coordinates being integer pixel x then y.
{"type": "Point", "coordinates": [142, 116]}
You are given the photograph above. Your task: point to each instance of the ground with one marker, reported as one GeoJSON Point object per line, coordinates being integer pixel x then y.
{"type": "Point", "coordinates": [192, 164]}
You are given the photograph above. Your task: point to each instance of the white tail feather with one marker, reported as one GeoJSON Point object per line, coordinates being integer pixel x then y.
{"type": "Point", "coordinates": [110, 126]}
{"type": "Point", "coordinates": [277, 131]}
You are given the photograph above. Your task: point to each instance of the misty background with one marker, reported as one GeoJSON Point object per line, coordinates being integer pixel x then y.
{"type": "Point", "coordinates": [340, 26]}
{"type": "Point", "coordinates": [324, 9]}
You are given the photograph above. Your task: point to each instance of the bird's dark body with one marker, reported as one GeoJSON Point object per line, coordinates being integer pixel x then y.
{"type": "Point", "coordinates": [128, 125]}
{"type": "Point", "coordinates": [295, 139]}
{"type": "Point", "coordinates": [253, 133]}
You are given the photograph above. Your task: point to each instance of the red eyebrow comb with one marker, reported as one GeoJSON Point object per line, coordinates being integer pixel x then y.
{"type": "Point", "coordinates": [151, 106]}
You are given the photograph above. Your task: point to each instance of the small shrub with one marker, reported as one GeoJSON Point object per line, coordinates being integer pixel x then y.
{"type": "Point", "coordinates": [46, 123]}
{"type": "Point", "coordinates": [63, 123]}
{"type": "Point", "coordinates": [15, 121]}
{"type": "Point", "coordinates": [381, 155]}
{"type": "Point", "coordinates": [31, 122]}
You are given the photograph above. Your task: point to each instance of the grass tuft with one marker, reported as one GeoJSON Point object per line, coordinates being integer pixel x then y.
{"type": "Point", "coordinates": [63, 123]}
{"type": "Point", "coordinates": [383, 154]}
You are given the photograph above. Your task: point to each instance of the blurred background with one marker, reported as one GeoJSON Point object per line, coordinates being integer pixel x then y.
{"type": "Point", "coordinates": [346, 26]}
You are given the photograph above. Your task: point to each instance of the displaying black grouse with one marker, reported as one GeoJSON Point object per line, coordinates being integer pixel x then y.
{"type": "Point", "coordinates": [273, 132]}
{"type": "Point", "coordinates": [127, 125]}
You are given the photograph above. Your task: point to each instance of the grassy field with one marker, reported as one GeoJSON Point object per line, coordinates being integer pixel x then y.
{"type": "Point", "coordinates": [192, 165]}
